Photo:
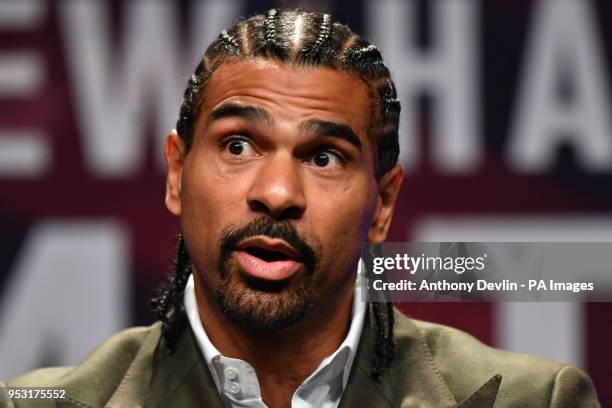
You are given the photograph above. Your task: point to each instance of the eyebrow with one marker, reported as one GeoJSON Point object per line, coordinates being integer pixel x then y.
{"type": "Point", "coordinates": [233, 110]}
{"type": "Point", "coordinates": [333, 129]}
{"type": "Point", "coordinates": [254, 114]}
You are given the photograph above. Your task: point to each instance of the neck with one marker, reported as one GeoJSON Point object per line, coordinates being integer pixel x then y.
{"type": "Point", "coordinates": [282, 359]}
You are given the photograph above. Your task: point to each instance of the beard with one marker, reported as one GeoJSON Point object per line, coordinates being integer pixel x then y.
{"type": "Point", "coordinates": [256, 304]}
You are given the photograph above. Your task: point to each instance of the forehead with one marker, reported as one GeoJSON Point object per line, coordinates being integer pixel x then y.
{"type": "Point", "coordinates": [291, 93]}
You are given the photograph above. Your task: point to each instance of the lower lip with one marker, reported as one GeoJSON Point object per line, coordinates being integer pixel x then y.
{"type": "Point", "coordinates": [272, 271]}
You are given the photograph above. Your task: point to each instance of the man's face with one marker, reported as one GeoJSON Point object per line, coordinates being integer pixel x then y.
{"type": "Point", "coordinates": [278, 191]}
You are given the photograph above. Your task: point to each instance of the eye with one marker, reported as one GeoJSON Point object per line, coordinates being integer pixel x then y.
{"type": "Point", "coordinates": [327, 158]}
{"type": "Point", "coordinates": [239, 147]}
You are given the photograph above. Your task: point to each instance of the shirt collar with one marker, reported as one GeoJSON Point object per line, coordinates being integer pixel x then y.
{"type": "Point", "coordinates": [340, 361]}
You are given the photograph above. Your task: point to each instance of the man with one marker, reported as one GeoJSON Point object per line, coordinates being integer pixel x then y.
{"type": "Point", "coordinates": [283, 163]}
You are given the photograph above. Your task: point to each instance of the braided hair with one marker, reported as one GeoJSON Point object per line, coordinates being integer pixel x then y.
{"type": "Point", "coordinates": [304, 39]}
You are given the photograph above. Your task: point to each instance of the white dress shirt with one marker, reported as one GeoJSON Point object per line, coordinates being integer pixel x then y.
{"type": "Point", "coordinates": [236, 379]}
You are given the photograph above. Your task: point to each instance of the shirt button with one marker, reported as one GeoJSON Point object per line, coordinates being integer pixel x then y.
{"type": "Point", "coordinates": [231, 373]}
{"type": "Point", "coordinates": [233, 387]}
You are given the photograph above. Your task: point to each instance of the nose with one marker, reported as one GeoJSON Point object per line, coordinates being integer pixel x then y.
{"type": "Point", "coordinates": [277, 189]}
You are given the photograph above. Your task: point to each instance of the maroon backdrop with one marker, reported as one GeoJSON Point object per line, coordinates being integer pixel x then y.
{"type": "Point", "coordinates": [69, 187]}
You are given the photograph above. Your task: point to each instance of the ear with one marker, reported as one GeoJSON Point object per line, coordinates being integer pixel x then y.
{"type": "Point", "coordinates": [388, 189]}
{"type": "Point", "coordinates": [174, 151]}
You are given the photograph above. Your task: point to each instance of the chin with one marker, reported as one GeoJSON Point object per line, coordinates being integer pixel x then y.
{"type": "Point", "coordinates": [254, 304]}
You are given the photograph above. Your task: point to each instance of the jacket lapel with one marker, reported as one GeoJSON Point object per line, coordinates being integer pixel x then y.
{"type": "Point", "coordinates": [159, 379]}
{"type": "Point", "coordinates": [413, 380]}
{"type": "Point", "coordinates": [410, 381]}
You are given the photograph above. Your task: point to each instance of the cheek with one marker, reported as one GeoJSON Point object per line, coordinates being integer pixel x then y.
{"type": "Point", "coordinates": [341, 221]}
{"type": "Point", "coordinates": [349, 206]}
{"type": "Point", "coordinates": [211, 191]}
{"type": "Point", "coordinates": [211, 201]}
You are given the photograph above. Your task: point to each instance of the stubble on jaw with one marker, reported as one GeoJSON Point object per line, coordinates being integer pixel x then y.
{"type": "Point", "coordinates": [258, 305]}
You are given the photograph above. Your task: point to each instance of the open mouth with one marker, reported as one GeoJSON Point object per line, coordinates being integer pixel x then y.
{"type": "Point", "coordinates": [267, 258]}
{"type": "Point", "coordinates": [267, 254]}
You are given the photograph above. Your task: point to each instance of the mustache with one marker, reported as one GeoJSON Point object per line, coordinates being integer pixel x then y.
{"type": "Point", "coordinates": [265, 227]}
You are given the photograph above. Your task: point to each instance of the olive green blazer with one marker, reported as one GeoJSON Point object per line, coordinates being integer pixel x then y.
{"type": "Point", "coordinates": [434, 366]}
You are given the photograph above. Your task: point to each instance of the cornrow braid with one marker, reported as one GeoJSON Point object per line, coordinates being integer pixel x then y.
{"type": "Point", "coordinates": [271, 45]}
{"type": "Point", "coordinates": [325, 30]}
{"type": "Point", "coordinates": [168, 303]}
{"type": "Point", "coordinates": [191, 96]}
{"type": "Point", "coordinates": [321, 42]}
{"type": "Point", "coordinates": [229, 43]}
{"type": "Point", "coordinates": [365, 58]}
{"type": "Point", "coordinates": [384, 318]}
{"type": "Point", "coordinates": [384, 346]}
{"type": "Point", "coordinates": [270, 24]}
